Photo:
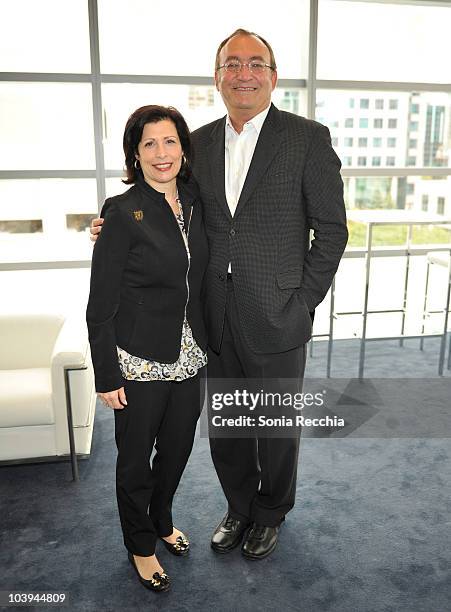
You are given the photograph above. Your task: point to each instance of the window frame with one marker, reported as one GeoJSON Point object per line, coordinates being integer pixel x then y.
{"type": "Point", "coordinates": [311, 84]}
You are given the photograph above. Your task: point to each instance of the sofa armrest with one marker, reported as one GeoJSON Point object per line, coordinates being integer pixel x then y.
{"type": "Point", "coordinates": [71, 351]}
{"type": "Point", "coordinates": [71, 346]}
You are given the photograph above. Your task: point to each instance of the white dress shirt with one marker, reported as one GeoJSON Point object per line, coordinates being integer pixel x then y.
{"type": "Point", "coordinates": [239, 149]}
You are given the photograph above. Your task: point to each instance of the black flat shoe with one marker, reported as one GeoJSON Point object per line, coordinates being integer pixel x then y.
{"type": "Point", "coordinates": [260, 541]}
{"type": "Point", "coordinates": [179, 548]}
{"type": "Point", "coordinates": [228, 534]}
{"type": "Point", "coordinates": [158, 582]}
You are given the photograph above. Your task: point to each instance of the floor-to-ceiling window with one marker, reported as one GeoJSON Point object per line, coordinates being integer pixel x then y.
{"type": "Point", "coordinates": [377, 73]}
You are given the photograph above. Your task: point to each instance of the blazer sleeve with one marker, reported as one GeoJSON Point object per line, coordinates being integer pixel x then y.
{"type": "Point", "coordinates": [108, 261]}
{"type": "Point", "coordinates": [326, 214]}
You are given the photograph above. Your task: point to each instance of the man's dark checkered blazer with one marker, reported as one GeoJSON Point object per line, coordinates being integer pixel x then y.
{"type": "Point", "coordinates": [293, 186]}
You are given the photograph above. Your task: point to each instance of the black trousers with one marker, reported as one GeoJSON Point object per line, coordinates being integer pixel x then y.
{"type": "Point", "coordinates": [257, 475]}
{"type": "Point", "coordinates": [164, 414]}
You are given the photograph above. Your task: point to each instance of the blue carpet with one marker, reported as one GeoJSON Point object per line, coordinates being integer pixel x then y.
{"type": "Point", "coordinates": [370, 532]}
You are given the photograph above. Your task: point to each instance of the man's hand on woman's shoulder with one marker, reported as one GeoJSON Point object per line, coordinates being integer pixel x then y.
{"type": "Point", "coordinates": [95, 229]}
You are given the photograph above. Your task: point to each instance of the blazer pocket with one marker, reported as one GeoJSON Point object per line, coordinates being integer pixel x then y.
{"type": "Point", "coordinates": [289, 279]}
{"type": "Point", "coordinates": [126, 323]}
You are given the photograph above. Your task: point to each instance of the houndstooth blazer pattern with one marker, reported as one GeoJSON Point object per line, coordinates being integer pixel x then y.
{"type": "Point", "coordinates": [293, 186]}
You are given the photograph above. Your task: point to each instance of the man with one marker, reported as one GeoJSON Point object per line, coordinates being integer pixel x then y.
{"type": "Point", "coordinates": [267, 178]}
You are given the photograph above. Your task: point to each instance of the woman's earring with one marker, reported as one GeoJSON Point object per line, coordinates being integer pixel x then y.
{"type": "Point", "coordinates": [137, 166]}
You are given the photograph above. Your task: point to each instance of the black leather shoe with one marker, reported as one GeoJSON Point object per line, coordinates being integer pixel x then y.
{"type": "Point", "coordinates": [228, 534]}
{"type": "Point", "coordinates": [179, 548]}
{"type": "Point", "coordinates": [260, 541]}
{"type": "Point", "coordinates": [158, 582]}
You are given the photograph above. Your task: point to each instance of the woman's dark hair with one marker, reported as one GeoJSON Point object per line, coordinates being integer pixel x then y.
{"type": "Point", "coordinates": [133, 133]}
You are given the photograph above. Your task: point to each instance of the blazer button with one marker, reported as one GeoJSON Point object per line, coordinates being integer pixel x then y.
{"type": "Point", "coordinates": [232, 232]}
{"type": "Point", "coordinates": [141, 302]}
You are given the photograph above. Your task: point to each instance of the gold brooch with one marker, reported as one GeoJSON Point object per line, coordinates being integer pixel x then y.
{"type": "Point", "coordinates": [138, 214]}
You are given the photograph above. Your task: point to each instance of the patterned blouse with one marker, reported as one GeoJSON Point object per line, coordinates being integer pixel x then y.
{"type": "Point", "coordinates": [191, 357]}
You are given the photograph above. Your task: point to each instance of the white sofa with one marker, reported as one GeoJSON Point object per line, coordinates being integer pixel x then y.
{"type": "Point", "coordinates": [34, 351]}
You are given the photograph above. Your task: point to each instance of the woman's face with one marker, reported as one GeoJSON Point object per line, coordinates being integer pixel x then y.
{"type": "Point", "coordinates": [160, 153]}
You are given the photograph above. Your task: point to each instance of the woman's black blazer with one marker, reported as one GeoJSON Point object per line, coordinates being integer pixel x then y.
{"type": "Point", "coordinates": [142, 282]}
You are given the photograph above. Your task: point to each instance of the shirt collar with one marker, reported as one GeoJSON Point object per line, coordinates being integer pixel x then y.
{"type": "Point", "coordinates": [256, 122]}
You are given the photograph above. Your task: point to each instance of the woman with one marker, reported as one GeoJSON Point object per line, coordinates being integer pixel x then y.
{"type": "Point", "coordinates": [146, 329]}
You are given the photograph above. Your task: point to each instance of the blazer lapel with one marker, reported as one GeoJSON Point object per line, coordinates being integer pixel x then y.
{"type": "Point", "coordinates": [216, 158]}
{"type": "Point", "coordinates": [267, 144]}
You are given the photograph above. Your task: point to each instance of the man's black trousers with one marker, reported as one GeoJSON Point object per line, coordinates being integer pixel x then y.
{"type": "Point", "coordinates": [258, 474]}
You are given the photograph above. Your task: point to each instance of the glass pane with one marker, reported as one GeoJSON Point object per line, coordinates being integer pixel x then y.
{"type": "Point", "coordinates": [421, 194]}
{"type": "Point", "coordinates": [46, 126]}
{"type": "Point", "coordinates": [394, 42]}
{"type": "Point", "coordinates": [60, 291]}
{"type": "Point", "coordinates": [198, 104]}
{"type": "Point", "coordinates": [115, 186]}
{"type": "Point", "coordinates": [46, 219]}
{"type": "Point", "coordinates": [184, 42]}
{"type": "Point", "coordinates": [408, 129]}
{"type": "Point", "coordinates": [44, 36]}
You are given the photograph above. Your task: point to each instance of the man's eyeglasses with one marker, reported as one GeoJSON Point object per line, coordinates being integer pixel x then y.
{"type": "Point", "coordinates": [236, 66]}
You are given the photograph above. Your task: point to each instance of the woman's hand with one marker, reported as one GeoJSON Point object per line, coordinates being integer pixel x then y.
{"type": "Point", "coordinates": [114, 399]}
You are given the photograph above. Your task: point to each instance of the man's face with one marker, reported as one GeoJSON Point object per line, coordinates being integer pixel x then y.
{"type": "Point", "coordinates": [245, 90]}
